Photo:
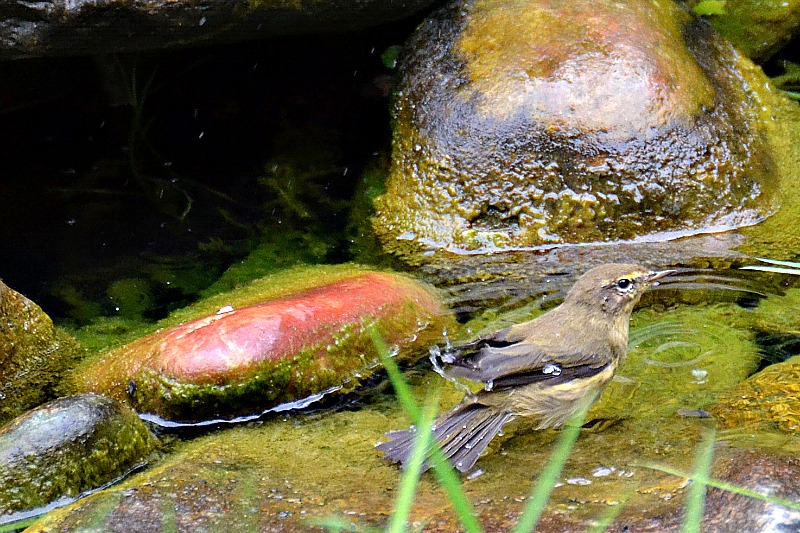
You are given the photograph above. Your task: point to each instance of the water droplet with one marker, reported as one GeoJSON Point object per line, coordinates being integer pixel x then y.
{"type": "Point", "coordinates": [552, 369]}
{"type": "Point", "coordinates": [489, 385]}
{"type": "Point", "coordinates": [579, 481]}
{"type": "Point", "coordinates": [477, 473]}
{"type": "Point", "coordinates": [602, 471]}
{"type": "Point", "coordinates": [699, 375]}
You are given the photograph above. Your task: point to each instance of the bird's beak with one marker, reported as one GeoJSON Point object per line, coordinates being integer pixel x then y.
{"type": "Point", "coordinates": [657, 275]}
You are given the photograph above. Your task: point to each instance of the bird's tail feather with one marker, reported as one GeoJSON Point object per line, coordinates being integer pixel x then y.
{"type": "Point", "coordinates": [463, 435]}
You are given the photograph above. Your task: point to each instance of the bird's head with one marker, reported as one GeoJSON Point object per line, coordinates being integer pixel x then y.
{"type": "Point", "coordinates": [614, 288]}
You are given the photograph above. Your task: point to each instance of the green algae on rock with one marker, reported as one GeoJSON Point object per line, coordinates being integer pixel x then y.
{"type": "Point", "coordinates": [526, 124]}
{"type": "Point", "coordinates": [33, 354]}
{"type": "Point", "coordinates": [759, 28]}
{"type": "Point", "coordinates": [280, 339]}
{"type": "Point", "coordinates": [768, 398]}
{"type": "Point", "coordinates": [66, 447]}
{"type": "Point", "coordinates": [289, 471]}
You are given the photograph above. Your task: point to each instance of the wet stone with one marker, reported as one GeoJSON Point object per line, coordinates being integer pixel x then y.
{"type": "Point", "coordinates": [286, 338]}
{"type": "Point", "coordinates": [768, 472]}
{"type": "Point", "coordinates": [66, 447]}
{"type": "Point", "coordinates": [759, 28]}
{"type": "Point", "coordinates": [769, 398]}
{"type": "Point", "coordinates": [599, 122]}
{"type": "Point", "coordinates": [83, 27]}
{"type": "Point", "coordinates": [772, 473]}
{"type": "Point", "coordinates": [33, 353]}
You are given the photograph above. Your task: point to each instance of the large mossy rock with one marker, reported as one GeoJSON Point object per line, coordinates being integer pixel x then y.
{"type": "Point", "coordinates": [33, 354]}
{"type": "Point", "coordinates": [280, 339]}
{"type": "Point", "coordinates": [528, 123]}
{"type": "Point", "coordinates": [759, 28]}
{"type": "Point", "coordinates": [66, 447]}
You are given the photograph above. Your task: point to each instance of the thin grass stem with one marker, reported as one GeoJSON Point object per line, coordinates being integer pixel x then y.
{"type": "Point", "coordinates": [442, 469]}
{"type": "Point", "coordinates": [608, 516]}
{"type": "Point", "coordinates": [540, 494]}
{"type": "Point", "coordinates": [413, 469]}
{"type": "Point", "coordinates": [401, 388]}
{"type": "Point", "coordinates": [696, 495]}
{"type": "Point", "coordinates": [724, 485]}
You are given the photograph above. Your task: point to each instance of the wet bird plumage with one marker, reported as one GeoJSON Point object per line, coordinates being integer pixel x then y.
{"type": "Point", "coordinates": [547, 369]}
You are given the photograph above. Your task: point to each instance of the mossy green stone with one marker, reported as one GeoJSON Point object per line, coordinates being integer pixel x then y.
{"type": "Point", "coordinates": [759, 28]}
{"type": "Point", "coordinates": [33, 354]}
{"type": "Point", "coordinates": [770, 398]}
{"type": "Point", "coordinates": [66, 447]}
{"type": "Point", "coordinates": [280, 339]}
{"type": "Point", "coordinates": [520, 124]}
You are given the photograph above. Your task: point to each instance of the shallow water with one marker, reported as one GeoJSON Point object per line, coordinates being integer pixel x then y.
{"type": "Point", "coordinates": [177, 218]}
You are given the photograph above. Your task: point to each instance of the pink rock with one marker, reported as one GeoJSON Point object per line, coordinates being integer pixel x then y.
{"type": "Point", "coordinates": [243, 360]}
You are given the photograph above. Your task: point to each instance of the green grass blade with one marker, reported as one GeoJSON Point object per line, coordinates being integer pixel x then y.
{"type": "Point", "coordinates": [609, 515]}
{"type": "Point", "coordinates": [537, 501]}
{"type": "Point", "coordinates": [451, 483]}
{"type": "Point", "coordinates": [781, 263]}
{"type": "Point", "coordinates": [401, 388]}
{"type": "Point", "coordinates": [442, 469]}
{"type": "Point", "coordinates": [729, 487]}
{"type": "Point", "coordinates": [19, 525]}
{"type": "Point", "coordinates": [791, 267]}
{"type": "Point", "coordinates": [337, 524]}
{"type": "Point", "coordinates": [413, 469]}
{"type": "Point", "coordinates": [540, 494]}
{"type": "Point", "coordinates": [776, 270]}
{"type": "Point", "coordinates": [696, 495]}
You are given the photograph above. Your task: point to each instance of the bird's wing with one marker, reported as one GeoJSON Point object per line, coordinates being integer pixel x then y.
{"type": "Point", "coordinates": [501, 363]}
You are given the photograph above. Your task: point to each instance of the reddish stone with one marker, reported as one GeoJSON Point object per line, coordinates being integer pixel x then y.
{"type": "Point", "coordinates": [243, 360]}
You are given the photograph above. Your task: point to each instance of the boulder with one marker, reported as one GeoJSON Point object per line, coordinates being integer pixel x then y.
{"type": "Point", "coordinates": [533, 124]}
{"type": "Point", "coordinates": [66, 447]}
{"type": "Point", "coordinates": [282, 339]}
{"type": "Point", "coordinates": [33, 354]}
{"type": "Point", "coordinates": [758, 28]}
{"type": "Point", "coordinates": [766, 399]}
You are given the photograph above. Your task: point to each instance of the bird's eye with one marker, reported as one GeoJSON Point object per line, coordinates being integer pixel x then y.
{"type": "Point", "coordinates": [624, 284]}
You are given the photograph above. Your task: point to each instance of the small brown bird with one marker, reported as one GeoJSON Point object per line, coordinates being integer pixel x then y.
{"type": "Point", "coordinates": [548, 368]}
